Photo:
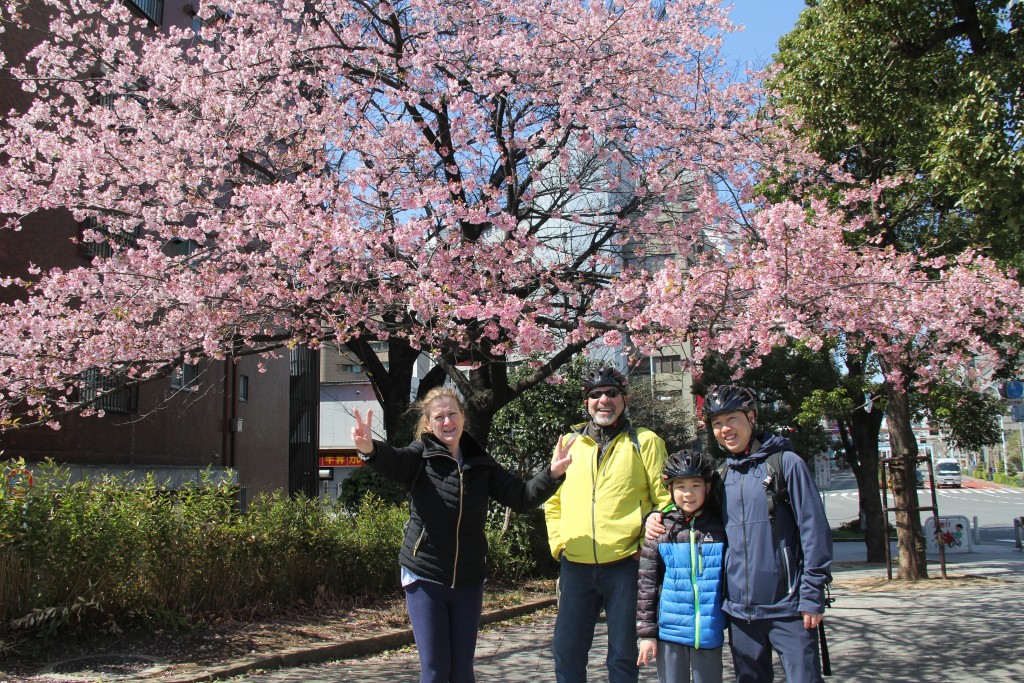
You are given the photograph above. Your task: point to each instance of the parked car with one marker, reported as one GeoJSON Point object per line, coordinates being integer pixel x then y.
{"type": "Point", "coordinates": [947, 473]}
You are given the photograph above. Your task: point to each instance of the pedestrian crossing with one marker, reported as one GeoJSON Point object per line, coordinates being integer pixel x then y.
{"type": "Point", "coordinates": [992, 495]}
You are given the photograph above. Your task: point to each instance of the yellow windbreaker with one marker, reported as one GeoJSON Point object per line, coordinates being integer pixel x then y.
{"type": "Point", "coordinates": [597, 515]}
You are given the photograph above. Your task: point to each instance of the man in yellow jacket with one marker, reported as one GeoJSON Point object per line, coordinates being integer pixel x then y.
{"type": "Point", "coordinates": [595, 525]}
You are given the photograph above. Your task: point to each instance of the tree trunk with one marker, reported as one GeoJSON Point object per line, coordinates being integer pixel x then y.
{"type": "Point", "coordinates": [859, 434]}
{"type": "Point", "coordinates": [864, 428]}
{"type": "Point", "coordinates": [909, 536]}
{"type": "Point", "coordinates": [392, 384]}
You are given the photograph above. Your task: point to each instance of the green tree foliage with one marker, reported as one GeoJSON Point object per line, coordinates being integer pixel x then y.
{"type": "Point", "coordinates": [524, 433]}
{"type": "Point", "coordinates": [669, 419]}
{"type": "Point", "coordinates": [967, 418]}
{"type": "Point", "coordinates": [932, 90]}
{"type": "Point", "coordinates": [782, 382]}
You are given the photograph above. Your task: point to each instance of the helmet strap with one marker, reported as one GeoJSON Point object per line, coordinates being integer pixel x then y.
{"type": "Point", "coordinates": [753, 433]}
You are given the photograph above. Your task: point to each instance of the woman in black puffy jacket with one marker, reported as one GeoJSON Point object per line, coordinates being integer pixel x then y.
{"type": "Point", "coordinates": [451, 479]}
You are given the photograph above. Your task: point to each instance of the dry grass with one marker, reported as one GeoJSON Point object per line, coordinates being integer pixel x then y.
{"type": "Point", "coordinates": [881, 584]}
{"type": "Point", "coordinates": [222, 640]}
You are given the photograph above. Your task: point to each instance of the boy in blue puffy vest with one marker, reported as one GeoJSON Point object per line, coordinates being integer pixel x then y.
{"type": "Point", "coordinates": [679, 616]}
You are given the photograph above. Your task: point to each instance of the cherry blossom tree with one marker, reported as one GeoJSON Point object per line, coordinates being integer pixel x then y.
{"type": "Point", "coordinates": [922, 318]}
{"type": "Point", "coordinates": [465, 179]}
{"type": "Point", "coordinates": [481, 181]}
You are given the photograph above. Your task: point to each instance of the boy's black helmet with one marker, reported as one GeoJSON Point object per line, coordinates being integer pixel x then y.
{"type": "Point", "coordinates": [604, 377]}
{"type": "Point", "coordinates": [687, 463]}
{"type": "Point", "coordinates": [722, 399]}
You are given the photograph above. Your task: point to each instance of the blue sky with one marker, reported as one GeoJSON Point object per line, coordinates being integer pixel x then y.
{"type": "Point", "coordinates": [765, 21]}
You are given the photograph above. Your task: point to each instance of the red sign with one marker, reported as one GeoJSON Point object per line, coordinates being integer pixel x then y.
{"type": "Point", "coordinates": [18, 482]}
{"type": "Point", "coordinates": [341, 461]}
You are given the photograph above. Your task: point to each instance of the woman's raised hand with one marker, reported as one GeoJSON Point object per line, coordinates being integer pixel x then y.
{"type": "Point", "coordinates": [560, 463]}
{"type": "Point", "coordinates": [361, 433]}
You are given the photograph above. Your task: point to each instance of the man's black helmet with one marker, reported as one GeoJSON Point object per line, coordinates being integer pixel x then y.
{"type": "Point", "coordinates": [687, 463]}
{"type": "Point", "coordinates": [604, 377]}
{"type": "Point", "coordinates": [722, 399]}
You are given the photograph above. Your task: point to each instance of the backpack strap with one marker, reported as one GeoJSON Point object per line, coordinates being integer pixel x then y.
{"type": "Point", "coordinates": [634, 438]}
{"type": "Point", "coordinates": [776, 490]}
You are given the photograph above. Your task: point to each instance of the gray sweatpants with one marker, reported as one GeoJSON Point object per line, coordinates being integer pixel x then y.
{"type": "Point", "coordinates": [674, 662]}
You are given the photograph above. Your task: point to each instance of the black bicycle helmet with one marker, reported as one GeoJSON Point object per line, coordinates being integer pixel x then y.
{"type": "Point", "coordinates": [722, 399]}
{"type": "Point", "coordinates": [604, 377]}
{"type": "Point", "coordinates": [687, 463]}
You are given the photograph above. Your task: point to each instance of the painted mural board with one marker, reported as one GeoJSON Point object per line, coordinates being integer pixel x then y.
{"type": "Point", "coordinates": [954, 533]}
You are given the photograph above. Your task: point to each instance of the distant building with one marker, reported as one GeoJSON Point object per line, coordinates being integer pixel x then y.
{"type": "Point", "coordinates": [345, 388]}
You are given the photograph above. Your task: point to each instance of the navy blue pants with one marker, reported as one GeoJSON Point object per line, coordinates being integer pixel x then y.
{"type": "Point", "coordinates": [752, 644]}
{"type": "Point", "coordinates": [445, 622]}
{"type": "Point", "coordinates": [585, 589]}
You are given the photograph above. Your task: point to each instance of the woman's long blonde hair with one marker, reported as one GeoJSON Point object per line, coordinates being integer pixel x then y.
{"type": "Point", "coordinates": [422, 405]}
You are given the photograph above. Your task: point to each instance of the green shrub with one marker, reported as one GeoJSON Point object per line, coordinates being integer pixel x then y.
{"type": "Point", "coordinates": [109, 554]}
{"type": "Point", "coordinates": [1007, 480]}
{"type": "Point", "coordinates": [363, 482]}
{"type": "Point", "coordinates": [521, 550]}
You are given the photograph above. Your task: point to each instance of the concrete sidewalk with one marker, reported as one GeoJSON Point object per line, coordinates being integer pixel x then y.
{"type": "Point", "coordinates": [964, 629]}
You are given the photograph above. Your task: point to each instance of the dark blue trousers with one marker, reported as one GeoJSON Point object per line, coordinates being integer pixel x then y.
{"type": "Point", "coordinates": [445, 622]}
{"type": "Point", "coordinates": [586, 589]}
{"type": "Point", "coordinates": [752, 644]}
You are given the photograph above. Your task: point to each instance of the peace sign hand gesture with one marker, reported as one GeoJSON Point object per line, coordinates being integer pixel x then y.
{"type": "Point", "coordinates": [560, 463]}
{"type": "Point", "coordinates": [361, 433]}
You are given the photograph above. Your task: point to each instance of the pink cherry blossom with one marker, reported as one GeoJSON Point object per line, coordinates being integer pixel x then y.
{"type": "Point", "coordinates": [508, 176]}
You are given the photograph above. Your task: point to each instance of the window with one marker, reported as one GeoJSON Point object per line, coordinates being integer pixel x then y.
{"type": "Point", "coordinates": [101, 239]}
{"type": "Point", "coordinates": [179, 247]}
{"type": "Point", "coordinates": [669, 365]}
{"type": "Point", "coordinates": [243, 387]}
{"type": "Point", "coordinates": [108, 392]}
{"type": "Point", "coordinates": [185, 376]}
{"type": "Point", "coordinates": [151, 9]}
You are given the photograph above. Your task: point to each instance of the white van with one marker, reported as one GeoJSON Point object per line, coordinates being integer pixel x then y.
{"type": "Point", "coordinates": [947, 473]}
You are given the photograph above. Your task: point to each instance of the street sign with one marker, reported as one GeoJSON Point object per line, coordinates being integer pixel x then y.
{"type": "Point", "coordinates": [18, 482]}
{"type": "Point", "coordinates": [822, 472]}
{"type": "Point", "coordinates": [1014, 389]}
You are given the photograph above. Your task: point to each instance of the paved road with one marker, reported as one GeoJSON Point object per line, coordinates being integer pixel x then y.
{"type": "Point", "coordinates": [994, 505]}
{"type": "Point", "coordinates": [940, 631]}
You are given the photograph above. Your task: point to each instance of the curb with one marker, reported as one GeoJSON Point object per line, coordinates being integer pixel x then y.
{"type": "Point", "coordinates": [347, 649]}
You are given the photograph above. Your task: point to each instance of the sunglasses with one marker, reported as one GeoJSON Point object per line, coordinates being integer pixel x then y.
{"type": "Point", "coordinates": [610, 393]}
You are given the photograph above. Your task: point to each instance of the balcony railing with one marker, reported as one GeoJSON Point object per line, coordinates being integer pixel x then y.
{"type": "Point", "coordinates": [109, 393]}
